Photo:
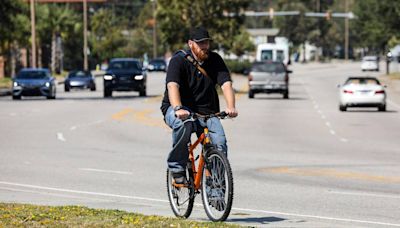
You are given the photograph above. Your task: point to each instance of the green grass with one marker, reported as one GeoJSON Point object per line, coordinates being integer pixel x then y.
{"type": "Point", "coordinates": [5, 82]}
{"type": "Point", "coordinates": [26, 215]}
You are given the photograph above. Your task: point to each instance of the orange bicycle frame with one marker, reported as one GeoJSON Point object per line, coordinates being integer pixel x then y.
{"type": "Point", "coordinates": [198, 174]}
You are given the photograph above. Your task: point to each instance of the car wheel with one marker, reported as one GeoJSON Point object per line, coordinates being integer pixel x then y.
{"type": "Point", "coordinates": [16, 97]}
{"type": "Point", "coordinates": [382, 108]}
{"type": "Point", "coordinates": [107, 92]}
{"type": "Point", "coordinates": [342, 108]}
{"type": "Point", "coordinates": [93, 88]}
{"type": "Point", "coordinates": [286, 94]}
{"type": "Point", "coordinates": [66, 88]}
{"type": "Point", "coordinates": [142, 93]}
{"type": "Point", "coordinates": [251, 94]}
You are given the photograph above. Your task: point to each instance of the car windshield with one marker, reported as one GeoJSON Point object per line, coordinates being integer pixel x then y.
{"type": "Point", "coordinates": [124, 65]}
{"type": "Point", "coordinates": [362, 81]}
{"type": "Point", "coordinates": [32, 75]}
{"type": "Point", "coordinates": [79, 74]}
{"type": "Point", "coordinates": [268, 67]}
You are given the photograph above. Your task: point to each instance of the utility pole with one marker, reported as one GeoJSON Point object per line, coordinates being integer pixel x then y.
{"type": "Point", "coordinates": [346, 31]}
{"type": "Point", "coordinates": [85, 58]}
{"type": "Point", "coordinates": [154, 30]}
{"type": "Point", "coordinates": [33, 35]}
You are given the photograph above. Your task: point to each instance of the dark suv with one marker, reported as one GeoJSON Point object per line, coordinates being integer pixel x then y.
{"type": "Point", "coordinates": [125, 74]}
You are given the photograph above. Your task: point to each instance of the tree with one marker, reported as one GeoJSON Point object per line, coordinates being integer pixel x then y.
{"type": "Point", "coordinates": [58, 20]}
{"type": "Point", "coordinates": [177, 17]}
{"type": "Point", "coordinates": [106, 37]}
{"type": "Point", "coordinates": [376, 23]}
{"type": "Point", "coordinates": [14, 29]}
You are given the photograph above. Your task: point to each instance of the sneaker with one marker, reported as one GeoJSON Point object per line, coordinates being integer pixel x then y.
{"type": "Point", "coordinates": [179, 178]}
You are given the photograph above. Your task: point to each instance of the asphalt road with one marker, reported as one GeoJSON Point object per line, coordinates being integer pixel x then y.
{"type": "Point", "coordinates": [296, 163]}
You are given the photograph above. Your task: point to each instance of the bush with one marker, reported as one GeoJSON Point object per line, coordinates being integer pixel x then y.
{"type": "Point", "coordinates": [237, 66]}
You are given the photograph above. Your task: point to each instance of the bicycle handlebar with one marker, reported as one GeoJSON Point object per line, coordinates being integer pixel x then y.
{"type": "Point", "coordinates": [221, 115]}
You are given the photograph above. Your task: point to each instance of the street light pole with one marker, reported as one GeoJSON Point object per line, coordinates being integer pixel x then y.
{"type": "Point", "coordinates": [346, 31]}
{"type": "Point", "coordinates": [33, 35]}
{"type": "Point", "coordinates": [85, 58]}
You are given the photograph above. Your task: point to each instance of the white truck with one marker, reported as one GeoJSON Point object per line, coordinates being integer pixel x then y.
{"type": "Point", "coordinates": [278, 51]}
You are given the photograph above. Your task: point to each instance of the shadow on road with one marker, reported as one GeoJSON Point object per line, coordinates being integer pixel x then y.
{"type": "Point", "coordinates": [367, 111]}
{"type": "Point", "coordinates": [260, 220]}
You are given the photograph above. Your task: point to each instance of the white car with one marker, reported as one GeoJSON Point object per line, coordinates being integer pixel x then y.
{"type": "Point", "coordinates": [362, 92]}
{"type": "Point", "coordinates": [370, 63]}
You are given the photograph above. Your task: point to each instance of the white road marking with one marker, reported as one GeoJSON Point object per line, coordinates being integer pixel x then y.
{"type": "Point", "coordinates": [53, 194]}
{"type": "Point", "coordinates": [332, 132]}
{"type": "Point", "coordinates": [166, 201]}
{"type": "Point", "coordinates": [365, 194]}
{"type": "Point", "coordinates": [328, 124]}
{"type": "Point", "coordinates": [106, 171]}
{"type": "Point", "coordinates": [343, 140]}
{"type": "Point", "coordinates": [60, 137]}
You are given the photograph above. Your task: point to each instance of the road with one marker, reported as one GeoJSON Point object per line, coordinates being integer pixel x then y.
{"type": "Point", "coordinates": [296, 163]}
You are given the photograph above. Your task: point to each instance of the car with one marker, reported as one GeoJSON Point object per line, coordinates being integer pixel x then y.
{"type": "Point", "coordinates": [269, 77]}
{"type": "Point", "coordinates": [370, 63]}
{"type": "Point", "coordinates": [34, 82]}
{"type": "Point", "coordinates": [125, 74]}
{"type": "Point", "coordinates": [157, 65]}
{"type": "Point", "coordinates": [362, 92]}
{"type": "Point", "coordinates": [79, 79]}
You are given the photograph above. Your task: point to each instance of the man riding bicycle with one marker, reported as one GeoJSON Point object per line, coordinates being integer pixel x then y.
{"type": "Point", "coordinates": [190, 88]}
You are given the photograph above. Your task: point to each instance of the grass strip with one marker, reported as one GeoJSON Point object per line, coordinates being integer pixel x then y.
{"type": "Point", "coordinates": [27, 215]}
{"type": "Point", "coordinates": [5, 82]}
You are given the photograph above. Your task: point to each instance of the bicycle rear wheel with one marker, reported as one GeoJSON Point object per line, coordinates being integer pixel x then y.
{"type": "Point", "coordinates": [217, 186]}
{"type": "Point", "coordinates": [181, 199]}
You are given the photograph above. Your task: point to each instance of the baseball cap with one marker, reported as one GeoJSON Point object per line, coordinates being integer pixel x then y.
{"type": "Point", "coordinates": [199, 34]}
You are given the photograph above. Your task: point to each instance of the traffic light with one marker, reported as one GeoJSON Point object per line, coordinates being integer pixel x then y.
{"type": "Point", "coordinates": [328, 15]}
{"type": "Point", "coordinates": [271, 13]}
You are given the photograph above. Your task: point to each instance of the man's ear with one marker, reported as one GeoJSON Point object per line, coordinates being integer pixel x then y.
{"type": "Point", "coordinates": [190, 44]}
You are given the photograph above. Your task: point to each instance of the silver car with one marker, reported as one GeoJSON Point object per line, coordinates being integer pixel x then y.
{"type": "Point", "coordinates": [269, 77]}
{"type": "Point", "coordinates": [34, 82]}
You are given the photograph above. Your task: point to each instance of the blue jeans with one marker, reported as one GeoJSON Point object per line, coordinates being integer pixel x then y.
{"type": "Point", "coordinates": [181, 133]}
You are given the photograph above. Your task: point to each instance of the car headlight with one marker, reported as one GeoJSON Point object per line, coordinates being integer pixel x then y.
{"type": "Point", "coordinates": [108, 77]}
{"type": "Point", "coordinates": [47, 84]}
{"type": "Point", "coordinates": [15, 84]}
{"type": "Point", "coordinates": [139, 77]}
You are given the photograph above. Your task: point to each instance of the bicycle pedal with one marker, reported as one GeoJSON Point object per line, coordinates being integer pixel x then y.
{"type": "Point", "coordinates": [197, 157]}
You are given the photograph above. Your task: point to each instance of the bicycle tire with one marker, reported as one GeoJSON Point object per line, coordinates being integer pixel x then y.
{"type": "Point", "coordinates": [181, 199]}
{"type": "Point", "coordinates": [217, 185]}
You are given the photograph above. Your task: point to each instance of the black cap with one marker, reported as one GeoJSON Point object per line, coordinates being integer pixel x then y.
{"type": "Point", "coordinates": [199, 34]}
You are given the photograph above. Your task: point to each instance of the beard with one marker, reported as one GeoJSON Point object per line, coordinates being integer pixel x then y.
{"type": "Point", "coordinates": [200, 53]}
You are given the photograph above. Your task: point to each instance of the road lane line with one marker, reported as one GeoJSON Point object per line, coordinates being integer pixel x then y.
{"type": "Point", "coordinates": [365, 194]}
{"type": "Point", "coordinates": [234, 208]}
{"type": "Point", "coordinates": [81, 192]}
{"type": "Point", "coordinates": [54, 194]}
{"type": "Point", "coordinates": [60, 137]}
{"type": "Point", "coordinates": [106, 171]}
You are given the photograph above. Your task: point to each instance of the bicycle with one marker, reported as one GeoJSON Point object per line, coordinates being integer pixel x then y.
{"type": "Point", "coordinates": [212, 178]}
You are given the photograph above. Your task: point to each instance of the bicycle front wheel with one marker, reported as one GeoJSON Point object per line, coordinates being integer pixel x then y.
{"type": "Point", "coordinates": [217, 186]}
{"type": "Point", "coordinates": [181, 199]}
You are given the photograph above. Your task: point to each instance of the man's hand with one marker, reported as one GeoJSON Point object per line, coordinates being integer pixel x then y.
{"type": "Point", "coordinates": [182, 114]}
{"type": "Point", "coordinates": [232, 112]}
